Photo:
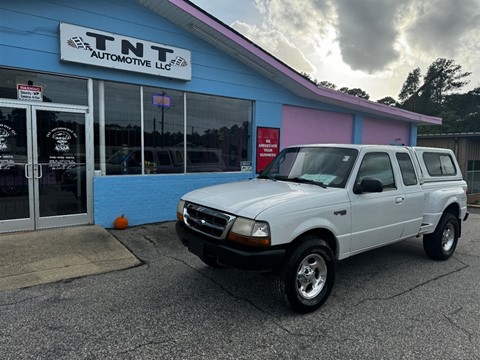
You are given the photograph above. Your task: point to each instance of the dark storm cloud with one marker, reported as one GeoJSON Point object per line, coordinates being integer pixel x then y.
{"type": "Point", "coordinates": [441, 24]}
{"type": "Point", "coordinates": [366, 33]}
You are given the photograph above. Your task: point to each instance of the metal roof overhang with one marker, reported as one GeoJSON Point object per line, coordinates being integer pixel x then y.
{"type": "Point", "coordinates": [204, 26]}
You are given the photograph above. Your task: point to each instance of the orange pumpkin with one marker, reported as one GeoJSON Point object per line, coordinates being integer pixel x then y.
{"type": "Point", "coordinates": [120, 223]}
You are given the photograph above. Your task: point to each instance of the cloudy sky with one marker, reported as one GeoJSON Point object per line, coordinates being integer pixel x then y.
{"type": "Point", "coordinates": [370, 44]}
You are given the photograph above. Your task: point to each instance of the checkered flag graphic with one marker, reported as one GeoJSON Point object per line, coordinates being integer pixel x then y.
{"type": "Point", "coordinates": [179, 61]}
{"type": "Point", "coordinates": [77, 42]}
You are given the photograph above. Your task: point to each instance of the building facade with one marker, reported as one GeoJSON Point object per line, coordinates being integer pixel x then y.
{"type": "Point", "coordinates": [121, 106]}
{"type": "Point", "coordinates": [466, 147]}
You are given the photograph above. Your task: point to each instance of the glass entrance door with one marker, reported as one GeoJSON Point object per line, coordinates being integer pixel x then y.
{"type": "Point", "coordinates": [15, 187]}
{"type": "Point", "coordinates": [43, 177]}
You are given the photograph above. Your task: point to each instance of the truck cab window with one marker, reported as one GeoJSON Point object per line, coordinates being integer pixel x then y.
{"type": "Point", "coordinates": [377, 165]}
{"type": "Point", "coordinates": [406, 168]}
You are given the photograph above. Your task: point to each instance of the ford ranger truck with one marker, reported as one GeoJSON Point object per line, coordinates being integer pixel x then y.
{"type": "Point", "coordinates": [317, 204]}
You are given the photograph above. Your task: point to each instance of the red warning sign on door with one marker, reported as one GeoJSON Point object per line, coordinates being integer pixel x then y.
{"type": "Point", "coordinates": [29, 92]}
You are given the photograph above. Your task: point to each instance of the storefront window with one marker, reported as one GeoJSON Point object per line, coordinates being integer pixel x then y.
{"type": "Point", "coordinates": [216, 140]}
{"type": "Point", "coordinates": [56, 89]}
{"type": "Point", "coordinates": [163, 130]}
{"type": "Point", "coordinates": [122, 121]}
{"type": "Point", "coordinates": [217, 133]}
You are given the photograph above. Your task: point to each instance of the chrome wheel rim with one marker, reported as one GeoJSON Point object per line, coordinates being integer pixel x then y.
{"type": "Point", "coordinates": [311, 276]}
{"type": "Point", "coordinates": [448, 237]}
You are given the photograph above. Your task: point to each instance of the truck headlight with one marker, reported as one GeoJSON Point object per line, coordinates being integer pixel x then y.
{"type": "Point", "coordinates": [180, 206]}
{"type": "Point", "coordinates": [250, 232]}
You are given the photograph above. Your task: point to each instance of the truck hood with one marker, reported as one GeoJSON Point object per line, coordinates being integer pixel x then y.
{"type": "Point", "coordinates": [249, 198]}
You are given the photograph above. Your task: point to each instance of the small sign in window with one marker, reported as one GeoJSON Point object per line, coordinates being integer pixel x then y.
{"type": "Point", "coordinates": [162, 100]}
{"type": "Point", "coordinates": [268, 143]}
{"type": "Point", "coordinates": [246, 166]}
{"type": "Point", "coordinates": [29, 92]}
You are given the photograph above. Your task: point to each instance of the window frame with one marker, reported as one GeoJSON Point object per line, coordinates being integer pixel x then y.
{"type": "Point", "coordinates": [429, 164]}
{"type": "Point", "coordinates": [387, 187]}
{"type": "Point", "coordinates": [412, 167]}
{"type": "Point", "coordinates": [214, 154]}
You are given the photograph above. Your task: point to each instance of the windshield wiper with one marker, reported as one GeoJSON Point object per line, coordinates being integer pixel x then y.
{"type": "Point", "coordinates": [307, 181]}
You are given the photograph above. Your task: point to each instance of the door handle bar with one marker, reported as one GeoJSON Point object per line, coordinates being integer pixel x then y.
{"type": "Point", "coordinates": [27, 172]}
{"type": "Point", "coordinates": [40, 171]}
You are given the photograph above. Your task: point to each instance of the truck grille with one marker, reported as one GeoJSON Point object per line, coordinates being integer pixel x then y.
{"type": "Point", "coordinates": [208, 221]}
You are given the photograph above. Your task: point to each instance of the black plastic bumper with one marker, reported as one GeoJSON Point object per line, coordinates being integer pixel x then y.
{"type": "Point", "coordinates": [251, 260]}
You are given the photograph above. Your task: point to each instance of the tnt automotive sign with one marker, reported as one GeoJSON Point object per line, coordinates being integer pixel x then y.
{"type": "Point", "coordinates": [99, 48]}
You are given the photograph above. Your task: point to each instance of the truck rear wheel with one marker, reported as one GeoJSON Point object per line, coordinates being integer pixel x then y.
{"type": "Point", "coordinates": [306, 278]}
{"type": "Point", "coordinates": [441, 244]}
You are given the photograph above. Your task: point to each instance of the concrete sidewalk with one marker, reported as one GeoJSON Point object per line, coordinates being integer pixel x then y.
{"type": "Point", "coordinates": [44, 256]}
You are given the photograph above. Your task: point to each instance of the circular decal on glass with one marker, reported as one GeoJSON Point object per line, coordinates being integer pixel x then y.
{"type": "Point", "coordinates": [63, 138]}
{"type": "Point", "coordinates": [6, 158]}
{"type": "Point", "coordinates": [6, 132]}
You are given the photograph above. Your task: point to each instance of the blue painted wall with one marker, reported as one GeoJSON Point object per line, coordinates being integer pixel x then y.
{"type": "Point", "coordinates": [29, 39]}
{"type": "Point", "coordinates": [148, 198]}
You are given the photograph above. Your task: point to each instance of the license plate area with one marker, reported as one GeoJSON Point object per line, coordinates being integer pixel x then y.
{"type": "Point", "coordinates": [196, 247]}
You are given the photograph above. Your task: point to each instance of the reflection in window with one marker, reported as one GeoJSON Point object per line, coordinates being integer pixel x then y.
{"type": "Point", "coordinates": [14, 198]}
{"type": "Point", "coordinates": [57, 89]}
{"type": "Point", "coordinates": [163, 130]}
{"type": "Point", "coordinates": [329, 166]}
{"type": "Point", "coordinates": [377, 166]}
{"type": "Point", "coordinates": [122, 128]}
{"type": "Point", "coordinates": [217, 133]}
{"type": "Point", "coordinates": [406, 167]}
{"type": "Point", "coordinates": [217, 137]}
{"type": "Point", "coordinates": [439, 164]}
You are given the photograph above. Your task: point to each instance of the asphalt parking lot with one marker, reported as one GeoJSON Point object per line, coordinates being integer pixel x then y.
{"type": "Point", "coordinates": [390, 303]}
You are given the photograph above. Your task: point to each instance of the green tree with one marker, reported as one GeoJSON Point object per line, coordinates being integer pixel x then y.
{"type": "Point", "coordinates": [328, 85]}
{"type": "Point", "coordinates": [410, 86]}
{"type": "Point", "coordinates": [388, 100]}
{"type": "Point", "coordinates": [355, 92]}
{"type": "Point", "coordinates": [309, 77]}
{"type": "Point", "coordinates": [466, 110]}
{"type": "Point", "coordinates": [443, 78]}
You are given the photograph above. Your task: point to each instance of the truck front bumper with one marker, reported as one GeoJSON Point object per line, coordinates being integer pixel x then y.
{"type": "Point", "coordinates": [246, 259]}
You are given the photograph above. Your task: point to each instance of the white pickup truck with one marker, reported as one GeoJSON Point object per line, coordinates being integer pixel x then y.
{"type": "Point", "coordinates": [316, 204]}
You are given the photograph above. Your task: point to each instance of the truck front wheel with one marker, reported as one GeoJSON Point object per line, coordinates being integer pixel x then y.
{"type": "Point", "coordinates": [306, 278]}
{"type": "Point", "coordinates": [441, 244]}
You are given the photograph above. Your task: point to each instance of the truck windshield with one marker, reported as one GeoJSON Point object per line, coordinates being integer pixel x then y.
{"type": "Point", "coordinates": [325, 166]}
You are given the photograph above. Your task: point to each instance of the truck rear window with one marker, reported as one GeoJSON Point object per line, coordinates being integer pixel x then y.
{"type": "Point", "coordinates": [439, 164]}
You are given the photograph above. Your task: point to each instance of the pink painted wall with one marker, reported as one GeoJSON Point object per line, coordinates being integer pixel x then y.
{"type": "Point", "coordinates": [385, 132]}
{"type": "Point", "coordinates": [309, 126]}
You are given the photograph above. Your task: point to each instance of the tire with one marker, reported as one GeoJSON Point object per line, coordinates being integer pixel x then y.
{"type": "Point", "coordinates": [441, 244]}
{"type": "Point", "coordinates": [305, 280]}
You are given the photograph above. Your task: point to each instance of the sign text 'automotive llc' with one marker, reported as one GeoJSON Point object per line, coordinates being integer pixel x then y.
{"type": "Point", "coordinates": [98, 48]}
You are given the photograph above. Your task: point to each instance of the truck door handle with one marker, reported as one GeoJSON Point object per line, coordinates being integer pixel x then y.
{"type": "Point", "coordinates": [399, 200]}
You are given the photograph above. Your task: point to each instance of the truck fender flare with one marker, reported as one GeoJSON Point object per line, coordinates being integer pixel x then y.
{"type": "Point", "coordinates": [317, 226]}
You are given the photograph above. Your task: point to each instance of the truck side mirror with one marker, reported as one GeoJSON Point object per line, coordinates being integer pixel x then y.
{"type": "Point", "coordinates": [368, 185]}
